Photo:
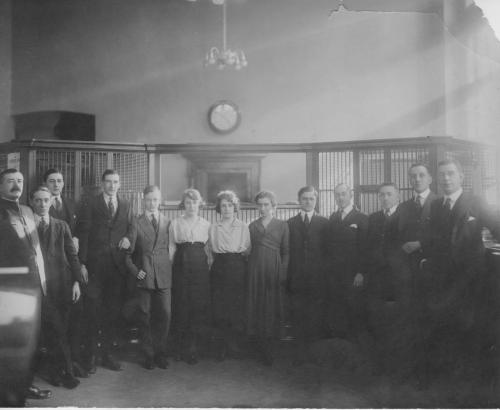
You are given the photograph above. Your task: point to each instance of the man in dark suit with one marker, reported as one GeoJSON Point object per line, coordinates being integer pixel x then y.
{"type": "Point", "coordinates": [306, 270]}
{"type": "Point", "coordinates": [347, 230]}
{"type": "Point", "coordinates": [389, 285]}
{"type": "Point", "coordinates": [148, 261]}
{"type": "Point", "coordinates": [105, 221]}
{"type": "Point", "coordinates": [64, 274]}
{"type": "Point", "coordinates": [64, 208]}
{"type": "Point", "coordinates": [454, 271]}
{"type": "Point", "coordinates": [413, 226]}
{"type": "Point", "coordinates": [19, 246]}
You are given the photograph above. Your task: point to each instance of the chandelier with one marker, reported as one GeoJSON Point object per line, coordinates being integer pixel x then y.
{"type": "Point", "coordinates": [225, 57]}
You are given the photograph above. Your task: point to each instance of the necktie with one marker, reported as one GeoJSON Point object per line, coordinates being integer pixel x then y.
{"type": "Point", "coordinates": [154, 222]}
{"type": "Point", "coordinates": [42, 228]}
{"type": "Point", "coordinates": [387, 213]}
{"type": "Point", "coordinates": [306, 220]}
{"type": "Point", "coordinates": [419, 201]}
{"type": "Point", "coordinates": [447, 204]}
{"type": "Point", "coordinates": [57, 204]}
{"type": "Point", "coordinates": [111, 207]}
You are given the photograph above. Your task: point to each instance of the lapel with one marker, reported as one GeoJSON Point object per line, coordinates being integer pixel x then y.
{"type": "Point", "coordinates": [426, 209]}
{"type": "Point", "coordinates": [147, 227]}
{"type": "Point", "coordinates": [348, 217]}
{"type": "Point", "coordinates": [460, 214]}
{"type": "Point", "coordinates": [102, 205]}
{"type": "Point", "coordinates": [50, 235]}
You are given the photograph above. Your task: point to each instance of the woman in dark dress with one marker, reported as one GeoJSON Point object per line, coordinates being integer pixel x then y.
{"type": "Point", "coordinates": [188, 237]}
{"type": "Point", "coordinates": [229, 241]}
{"type": "Point", "coordinates": [267, 267]}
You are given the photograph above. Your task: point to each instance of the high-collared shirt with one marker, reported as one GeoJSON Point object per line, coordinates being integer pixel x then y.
{"type": "Point", "coordinates": [391, 210]}
{"type": "Point", "coordinates": [112, 198]}
{"type": "Point", "coordinates": [453, 197]}
{"type": "Point", "coordinates": [182, 230]}
{"type": "Point", "coordinates": [304, 213]}
{"type": "Point", "coordinates": [233, 238]}
{"type": "Point", "coordinates": [345, 211]}
{"type": "Point", "coordinates": [150, 214]}
{"type": "Point", "coordinates": [39, 218]}
{"type": "Point", "coordinates": [422, 195]}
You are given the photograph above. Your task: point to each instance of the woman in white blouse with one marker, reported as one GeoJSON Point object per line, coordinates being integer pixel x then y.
{"type": "Point", "coordinates": [190, 282]}
{"type": "Point", "coordinates": [229, 240]}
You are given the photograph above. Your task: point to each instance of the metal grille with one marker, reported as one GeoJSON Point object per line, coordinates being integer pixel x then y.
{"type": "Point", "coordinates": [133, 170]}
{"type": "Point", "coordinates": [371, 175]}
{"type": "Point", "coordinates": [488, 175]}
{"type": "Point", "coordinates": [334, 168]}
{"type": "Point", "coordinates": [62, 160]}
{"type": "Point", "coordinates": [401, 160]}
{"type": "Point", "coordinates": [93, 165]}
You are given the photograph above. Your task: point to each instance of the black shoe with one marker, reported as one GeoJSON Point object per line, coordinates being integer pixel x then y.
{"type": "Point", "coordinates": [79, 371]}
{"type": "Point", "coordinates": [55, 379]}
{"type": "Point", "coordinates": [69, 381]}
{"type": "Point", "coordinates": [38, 394]}
{"type": "Point", "coordinates": [90, 365]}
{"type": "Point", "coordinates": [162, 362]}
{"type": "Point", "coordinates": [149, 363]}
{"type": "Point", "coordinates": [109, 362]}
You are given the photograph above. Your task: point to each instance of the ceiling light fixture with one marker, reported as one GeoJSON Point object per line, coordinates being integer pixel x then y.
{"type": "Point", "coordinates": [225, 57]}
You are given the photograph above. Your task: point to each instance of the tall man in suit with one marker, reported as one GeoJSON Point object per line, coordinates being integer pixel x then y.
{"type": "Point", "coordinates": [454, 272]}
{"type": "Point", "coordinates": [20, 246]}
{"type": "Point", "coordinates": [413, 226]}
{"type": "Point", "coordinates": [389, 285]}
{"type": "Point", "coordinates": [306, 270]}
{"type": "Point", "coordinates": [347, 230]}
{"type": "Point", "coordinates": [64, 208]}
{"type": "Point", "coordinates": [105, 221]}
{"type": "Point", "coordinates": [64, 274]}
{"type": "Point", "coordinates": [148, 261]}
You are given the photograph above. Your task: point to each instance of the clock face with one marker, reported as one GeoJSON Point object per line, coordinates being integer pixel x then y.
{"type": "Point", "coordinates": [223, 117]}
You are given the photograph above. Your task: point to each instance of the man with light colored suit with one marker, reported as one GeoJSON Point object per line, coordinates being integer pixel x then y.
{"type": "Point", "coordinates": [149, 262]}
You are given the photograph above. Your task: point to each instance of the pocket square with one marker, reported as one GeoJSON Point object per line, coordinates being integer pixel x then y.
{"type": "Point", "coordinates": [471, 218]}
{"type": "Point", "coordinates": [353, 226]}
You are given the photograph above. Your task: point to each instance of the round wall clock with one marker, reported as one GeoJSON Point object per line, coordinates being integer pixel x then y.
{"type": "Point", "coordinates": [224, 117]}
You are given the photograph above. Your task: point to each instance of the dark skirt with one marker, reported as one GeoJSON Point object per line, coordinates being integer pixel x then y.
{"type": "Point", "coordinates": [228, 284]}
{"type": "Point", "coordinates": [190, 289]}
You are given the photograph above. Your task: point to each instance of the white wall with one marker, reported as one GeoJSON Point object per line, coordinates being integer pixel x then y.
{"type": "Point", "coordinates": [6, 131]}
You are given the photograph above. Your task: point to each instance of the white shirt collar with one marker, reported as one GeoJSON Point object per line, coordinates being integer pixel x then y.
{"type": "Point", "coordinates": [150, 214]}
{"type": "Point", "coordinates": [38, 218]}
{"type": "Point", "coordinates": [391, 210]}
{"type": "Point", "coordinates": [347, 209]}
{"type": "Point", "coordinates": [423, 195]}
{"type": "Point", "coordinates": [108, 197]}
{"type": "Point", "coordinates": [453, 197]}
{"type": "Point", "coordinates": [309, 214]}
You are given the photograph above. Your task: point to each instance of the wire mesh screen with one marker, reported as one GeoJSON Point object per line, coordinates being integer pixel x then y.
{"type": "Point", "coordinates": [93, 165]}
{"type": "Point", "coordinates": [488, 175]}
{"type": "Point", "coordinates": [61, 160]}
{"type": "Point", "coordinates": [371, 175]}
{"type": "Point", "coordinates": [133, 170]}
{"type": "Point", "coordinates": [334, 168]}
{"type": "Point", "coordinates": [401, 160]}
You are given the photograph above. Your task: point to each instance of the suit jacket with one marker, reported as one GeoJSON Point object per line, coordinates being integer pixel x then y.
{"type": "Point", "coordinates": [67, 213]}
{"type": "Point", "coordinates": [62, 266]}
{"type": "Point", "coordinates": [306, 268]}
{"type": "Point", "coordinates": [100, 234]}
{"type": "Point", "coordinates": [347, 241]}
{"type": "Point", "coordinates": [149, 252]}
{"type": "Point", "coordinates": [414, 221]}
{"type": "Point", "coordinates": [456, 252]}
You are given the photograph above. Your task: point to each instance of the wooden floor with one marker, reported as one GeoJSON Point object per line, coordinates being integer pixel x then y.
{"type": "Point", "coordinates": [246, 383]}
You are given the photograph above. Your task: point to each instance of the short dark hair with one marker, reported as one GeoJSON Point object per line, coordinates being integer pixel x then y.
{"type": "Point", "coordinates": [384, 184]}
{"type": "Point", "coordinates": [450, 161]}
{"type": "Point", "coordinates": [307, 188]}
{"type": "Point", "coordinates": [39, 188]}
{"type": "Point", "coordinates": [109, 172]}
{"type": "Point", "coordinates": [49, 172]}
{"type": "Point", "coordinates": [193, 194]}
{"type": "Point", "coordinates": [8, 171]}
{"type": "Point", "coordinates": [229, 196]}
{"type": "Point", "coordinates": [149, 189]}
{"type": "Point", "coordinates": [267, 194]}
{"type": "Point", "coordinates": [420, 164]}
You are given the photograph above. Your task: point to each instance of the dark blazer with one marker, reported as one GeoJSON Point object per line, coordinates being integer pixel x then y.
{"type": "Point", "coordinates": [62, 266]}
{"type": "Point", "coordinates": [347, 244]}
{"type": "Point", "coordinates": [456, 252]}
{"type": "Point", "coordinates": [149, 252]}
{"type": "Point", "coordinates": [67, 213]}
{"type": "Point", "coordinates": [308, 246]}
{"type": "Point", "coordinates": [413, 220]}
{"type": "Point", "coordinates": [100, 234]}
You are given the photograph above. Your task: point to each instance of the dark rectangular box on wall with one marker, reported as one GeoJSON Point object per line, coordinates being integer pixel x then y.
{"type": "Point", "coordinates": [60, 125]}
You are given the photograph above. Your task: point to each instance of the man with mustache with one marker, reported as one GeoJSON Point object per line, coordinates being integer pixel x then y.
{"type": "Point", "coordinates": [20, 246]}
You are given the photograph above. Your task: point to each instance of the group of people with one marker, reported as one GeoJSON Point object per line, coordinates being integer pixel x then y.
{"type": "Point", "coordinates": [402, 282]}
